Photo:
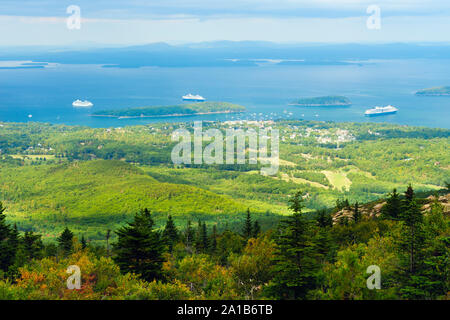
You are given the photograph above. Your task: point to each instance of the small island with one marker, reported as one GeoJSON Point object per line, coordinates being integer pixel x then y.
{"type": "Point", "coordinates": [435, 91]}
{"type": "Point", "coordinates": [327, 101]}
{"type": "Point", "coordinates": [191, 109]}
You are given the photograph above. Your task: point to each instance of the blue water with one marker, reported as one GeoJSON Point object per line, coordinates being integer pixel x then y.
{"type": "Point", "coordinates": [47, 94]}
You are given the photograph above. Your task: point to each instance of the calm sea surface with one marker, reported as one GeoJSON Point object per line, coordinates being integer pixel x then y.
{"type": "Point", "coordinates": [46, 95]}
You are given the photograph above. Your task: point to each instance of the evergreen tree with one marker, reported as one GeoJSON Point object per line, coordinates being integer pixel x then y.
{"type": "Point", "coordinates": [189, 236]}
{"type": "Point", "coordinates": [411, 245]}
{"type": "Point", "coordinates": [14, 239]}
{"type": "Point", "coordinates": [204, 238]}
{"type": "Point", "coordinates": [324, 219]}
{"type": "Point", "coordinates": [32, 245]}
{"type": "Point", "coordinates": [198, 237]}
{"type": "Point", "coordinates": [108, 236]}
{"type": "Point", "coordinates": [7, 253]}
{"type": "Point", "coordinates": [65, 241]}
{"type": "Point", "coordinates": [409, 194]}
{"type": "Point", "coordinates": [247, 230]}
{"type": "Point", "coordinates": [356, 213]}
{"type": "Point", "coordinates": [139, 248]}
{"type": "Point", "coordinates": [213, 246]}
{"type": "Point", "coordinates": [83, 242]}
{"type": "Point", "coordinates": [393, 206]}
{"type": "Point", "coordinates": [295, 265]}
{"type": "Point", "coordinates": [256, 229]}
{"type": "Point", "coordinates": [170, 233]}
{"type": "Point", "coordinates": [342, 204]}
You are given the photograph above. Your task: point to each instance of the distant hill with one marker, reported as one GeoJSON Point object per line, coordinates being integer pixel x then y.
{"type": "Point", "coordinates": [223, 53]}
{"type": "Point", "coordinates": [177, 110]}
{"type": "Point", "coordinates": [322, 101]}
{"type": "Point", "coordinates": [91, 196]}
{"type": "Point", "coordinates": [436, 91]}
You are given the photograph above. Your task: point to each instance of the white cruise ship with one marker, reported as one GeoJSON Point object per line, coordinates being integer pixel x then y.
{"type": "Point", "coordinates": [379, 111]}
{"type": "Point", "coordinates": [82, 104]}
{"type": "Point", "coordinates": [191, 97]}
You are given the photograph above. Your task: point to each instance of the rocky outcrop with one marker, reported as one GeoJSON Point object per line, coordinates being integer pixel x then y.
{"type": "Point", "coordinates": [374, 209]}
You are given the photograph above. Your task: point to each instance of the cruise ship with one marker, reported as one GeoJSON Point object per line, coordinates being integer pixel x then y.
{"type": "Point", "coordinates": [379, 111]}
{"type": "Point", "coordinates": [191, 97]}
{"type": "Point", "coordinates": [82, 104]}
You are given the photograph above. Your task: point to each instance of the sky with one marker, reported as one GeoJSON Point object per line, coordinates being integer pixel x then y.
{"type": "Point", "coordinates": [129, 22]}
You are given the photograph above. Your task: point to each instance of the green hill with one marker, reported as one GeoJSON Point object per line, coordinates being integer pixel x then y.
{"type": "Point", "coordinates": [177, 110]}
{"type": "Point", "coordinates": [91, 196]}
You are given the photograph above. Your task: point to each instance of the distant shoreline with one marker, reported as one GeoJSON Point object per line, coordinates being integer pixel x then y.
{"type": "Point", "coordinates": [321, 105]}
{"type": "Point", "coordinates": [435, 92]}
{"type": "Point", "coordinates": [165, 115]}
{"type": "Point", "coordinates": [432, 94]}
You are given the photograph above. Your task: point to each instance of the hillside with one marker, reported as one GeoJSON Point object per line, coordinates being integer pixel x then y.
{"type": "Point", "coordinates": [374, 209]}
{"type": "Point", "coordinates": [327, 161]}
{"type": "Point", "coordinates": [94, 195]}
{"type": "Point", "coordinates": [177, 110]}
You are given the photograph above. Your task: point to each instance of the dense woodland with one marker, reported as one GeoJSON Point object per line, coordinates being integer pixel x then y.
{"type": "Point", "coordinates": [110, 201]}
{"type": "Point", "coordinates": [302, 258]}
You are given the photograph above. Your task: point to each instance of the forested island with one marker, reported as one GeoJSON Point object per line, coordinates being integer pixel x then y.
{"type": "Point", "coordinates": [168, 111]}
{"type": "Point", "coordinates": [435, 91]}
{"type": "Point", "coordinates": [327, 101]}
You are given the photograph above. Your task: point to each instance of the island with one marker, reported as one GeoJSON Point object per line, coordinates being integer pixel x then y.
{"type": "Point", "coordinates": [436, 91]}
{"type": "Point", "coordinates": [327, 101]}
{"type": "Point", "coordinates": [191, 109]}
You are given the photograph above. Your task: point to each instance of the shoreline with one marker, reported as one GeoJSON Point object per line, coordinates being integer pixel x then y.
{"type": "Point", "coordinates": [319, 105]}
{"type": "Point", "coordinates": [165, 115]}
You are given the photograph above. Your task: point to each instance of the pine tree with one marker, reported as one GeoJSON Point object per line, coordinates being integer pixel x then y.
{"type": "Point", "coordinates": [356, 213]}
{"type": "Point", "coordinates": [189, 236]}
{"type": "Point", "coordinates": [65, 241]}
{"type": "Point", "coordinates": [204, 238]}
{"type": "Point", "coordinates": [393, 206]}
{"type": "Point", "coordinates": [409, 194]}
{"type": "Point", "coordinates": [295, 264]}
{"type": "Point", "coordinates": [32, 245]}
{"type": "Point", "coordinates": [139, 248]}
{"type": "Point", "coordinates": [83, 242]}
{"type": "Point", "coordinates": [411, 245]}
{"type": "Point", "coordinates": [108, 236]}
{"type": "Point", "coordinates": [256, 229]}
{"type": "Point", "coordinates": [324, 219]}
{"type": "Point", "coordinates": [247, 230]}
{"type": "Point", "coordinates": [170, 233]}
{"type": "Point", "coordinates": [14, 239]}
{"type": "Point", "coordinates": [213, 246]}
{"type": "Point", "coordinates": [342, 204]}
{"type": "Point", "coordinates": [7, 253]}
{"type": "Point", "coordinates": [198, 237]}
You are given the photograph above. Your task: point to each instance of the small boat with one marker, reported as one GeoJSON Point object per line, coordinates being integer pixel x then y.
{"type": "Point", "coordinates": [82, 104]}
{"type": "Point", "coordinates": [192, 97]}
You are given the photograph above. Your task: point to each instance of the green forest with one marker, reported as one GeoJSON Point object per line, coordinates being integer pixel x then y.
{"type": "Point", "coordinates": [109, 200]}
{"type": "Point", "coordinates": [303, 257]}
